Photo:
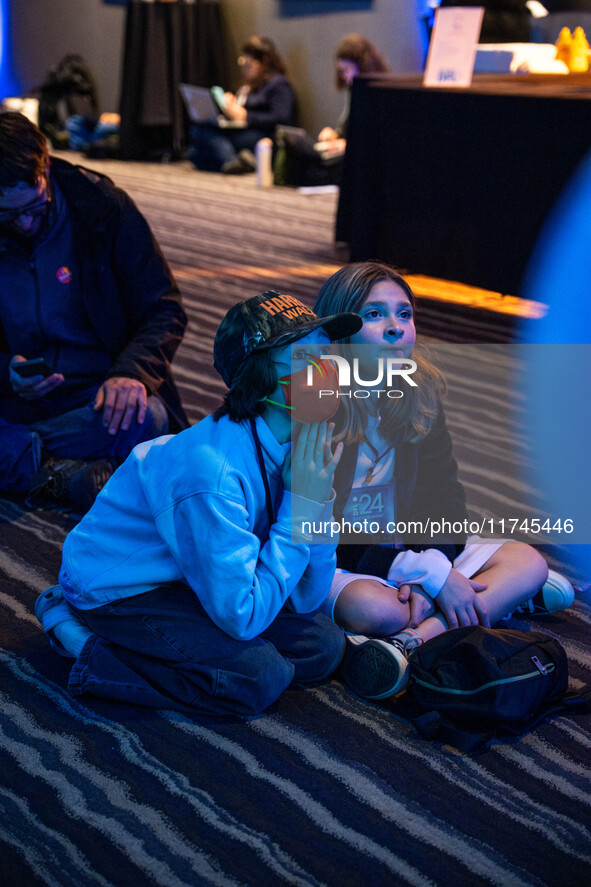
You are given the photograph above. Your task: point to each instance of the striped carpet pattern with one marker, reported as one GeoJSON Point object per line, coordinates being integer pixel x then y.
{"type": "Point", "coordinates": [325, 789]}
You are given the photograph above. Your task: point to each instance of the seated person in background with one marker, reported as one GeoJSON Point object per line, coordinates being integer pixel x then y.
{"type": "Point", "coordinates": [222, 615]}
{"type": "Point", "coordinates": [308, 163]}
{"type": "Point", "coordinates": [85, 133]}
{"type": "Point", "coordinates": [400, 451]}
{"type": "Point", "coordinates": [83, 285]}
{"type": "Point", "coordinates": [265, 99]}
{"type": "Point", "coordinates": [354, 55]}
{"type": "Point", "coordinates": [69, 107]}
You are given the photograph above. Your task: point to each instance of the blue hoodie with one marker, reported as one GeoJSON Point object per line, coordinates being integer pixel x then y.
{"type": "Point", "coordinates": [191, 507]}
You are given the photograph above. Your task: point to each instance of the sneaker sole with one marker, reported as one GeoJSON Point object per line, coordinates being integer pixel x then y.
{"type": "Point", "coordinates": [372, 671]}
{"type": "Point", "coordinates": [557, 592]}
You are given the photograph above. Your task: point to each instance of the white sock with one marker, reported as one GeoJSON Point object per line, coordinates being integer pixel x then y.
{"type": "Point", "coordinates": [72, 635]}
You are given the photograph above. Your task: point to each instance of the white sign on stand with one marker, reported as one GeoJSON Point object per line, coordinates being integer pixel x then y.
{"type": "Point", "coordinates": [452, 50]}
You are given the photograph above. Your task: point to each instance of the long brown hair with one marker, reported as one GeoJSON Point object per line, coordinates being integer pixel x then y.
{"type": "Point", "coordinates": [264, 51]}
{"type": "Point", "coordinates": [357, 48]}
{"type": "Point", "coordinates": [412, 416]}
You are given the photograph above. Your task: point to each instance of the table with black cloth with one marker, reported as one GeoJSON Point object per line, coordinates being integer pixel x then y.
{"type": "Point", "coordinates": [167, 44]}
{"type": "Point", "coordinates": [456, 183]}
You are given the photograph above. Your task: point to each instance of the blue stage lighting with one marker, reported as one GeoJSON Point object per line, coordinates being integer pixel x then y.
{"type": "Point", "coordinates": [8, 85]}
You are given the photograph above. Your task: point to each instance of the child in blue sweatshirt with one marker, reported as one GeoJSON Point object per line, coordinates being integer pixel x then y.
{"type": "Point", "coordinates": [189, 584]}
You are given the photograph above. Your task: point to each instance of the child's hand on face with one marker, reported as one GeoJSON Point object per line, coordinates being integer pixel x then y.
{"type": "Point", "coordinates": [313, 461]}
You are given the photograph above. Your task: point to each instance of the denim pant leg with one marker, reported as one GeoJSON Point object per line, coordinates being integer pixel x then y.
{"type": "Point", "coordinates": [20, 457]}
{"type": "Point", "coordinates": [80, 433]}
{"type": "Point", "coordinates": [209, 147]}
{"type": "Point", "coordinates": [312, 642]}
{"type": "Point", "coordinates": [160, 649]}
{"type": "Point", "coordinates": [245, 138]}
{"type": "Point", "coordinates": [82, 133]}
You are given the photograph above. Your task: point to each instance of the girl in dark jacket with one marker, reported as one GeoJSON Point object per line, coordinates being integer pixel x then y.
{"type": "Point", "coordinates": [398, 461]}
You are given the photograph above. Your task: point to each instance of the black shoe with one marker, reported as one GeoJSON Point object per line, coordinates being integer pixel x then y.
{"type": "Point", "coordinates": [69, 479]}
{"type": "Point", "coordinates": [374, 668]}
{"type": "Point", "coordinates": [242, 163]}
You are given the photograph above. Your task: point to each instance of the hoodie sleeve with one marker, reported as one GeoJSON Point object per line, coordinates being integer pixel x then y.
{"type": "Point", "coordinates": [429, 568]}
{"type": "Point", "coordinates": [241, 583]}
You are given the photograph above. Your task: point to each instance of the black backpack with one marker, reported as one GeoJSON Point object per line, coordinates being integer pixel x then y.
{"type": "Point", "coordinates": [470, 686]}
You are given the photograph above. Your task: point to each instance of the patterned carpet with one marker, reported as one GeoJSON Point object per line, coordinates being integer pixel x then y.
{"type": "Point", "coordinates": [326, 789]}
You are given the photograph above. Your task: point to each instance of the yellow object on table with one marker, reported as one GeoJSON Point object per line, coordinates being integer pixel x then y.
{"type": "Point", "coordinates": [563, 46]}
{"type": "Point", "coordinates": [579, 52]}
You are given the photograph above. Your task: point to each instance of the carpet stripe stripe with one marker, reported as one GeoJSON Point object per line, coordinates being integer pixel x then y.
{"type": "Point", "coordinates": [15, 515]}
{"type": "Point", "coordinates": [202, 804]}
{"type": "Point", "coordinates": [421, 828]}
{"type": "Point", "coordinates": [476, 781]}
{"type": "Point", "coordinates": [27, 754]}
{"type": "Point", "coordinates": [18, 610]}
{"type": "Point", "coordinates": [45, 845]}
{"type": "Point", "coordinates": [314, 811]}
{"type": "Point", "coordinates": [21, 570]}
{"type": "Point", "coordinates": [535, 758]}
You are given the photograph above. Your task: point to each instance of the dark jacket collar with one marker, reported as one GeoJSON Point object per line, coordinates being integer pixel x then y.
{"type": "Point", "coordinates": [92, 197]}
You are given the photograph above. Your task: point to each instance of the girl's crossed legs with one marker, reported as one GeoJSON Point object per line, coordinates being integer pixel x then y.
{"type": "Point", "coordinates": [384, 632]}
{"type": "Point", "coordinates": [367, 605]}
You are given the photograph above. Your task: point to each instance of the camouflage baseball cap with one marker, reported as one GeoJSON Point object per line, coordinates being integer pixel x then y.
{"type": "Point", "coordinates": [271, 320]}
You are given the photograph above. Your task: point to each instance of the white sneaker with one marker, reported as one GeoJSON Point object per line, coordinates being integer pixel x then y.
{"type": "Point", "coordinates": [555, 595]}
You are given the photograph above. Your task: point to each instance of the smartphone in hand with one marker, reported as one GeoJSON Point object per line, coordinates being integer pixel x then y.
{"type": "Point", "coordinates": [36, 367]}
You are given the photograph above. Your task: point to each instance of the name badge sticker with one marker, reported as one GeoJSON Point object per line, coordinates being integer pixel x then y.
{"type": "Point", "coordinates": [371, 503]}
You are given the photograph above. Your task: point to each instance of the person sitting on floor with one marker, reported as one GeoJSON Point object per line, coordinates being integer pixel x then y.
{"type": "Point", "coordinates": [84, 286]}
{"type": "Point", "coordinates": [69, 112]}
{"type": "Point", "coordinates": [305, 162]}
{"type": "Point", "coordinates": [265, 99]}
{"type": "Point", "coordinates": [398, 456]}
{"type": "Point", "coordinates": [188, 584]}
{"type": "Point", "coordinates": [354, 55]}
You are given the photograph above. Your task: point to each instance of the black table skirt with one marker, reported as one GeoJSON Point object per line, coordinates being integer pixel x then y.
{"type": "Point", "coordinates": [165, 44]}
{"type": "Point", "coordinates": [457, 183]}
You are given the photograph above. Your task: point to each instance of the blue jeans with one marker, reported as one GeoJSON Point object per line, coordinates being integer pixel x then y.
{"type": "Point", "coordinates": [64, 427]}
{"type": "Point", "coordinates": [160, 649]}
{"type": "Point", "coordinates": [83, 133]}
{"type": "Point", "coordinates": [210, 147]}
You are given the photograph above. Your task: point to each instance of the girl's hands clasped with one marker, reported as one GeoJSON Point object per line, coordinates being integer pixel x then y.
{"type": "Point", "coordinates": [311, 464]}
{"type": "Point", "coordinates": [460, 602]}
